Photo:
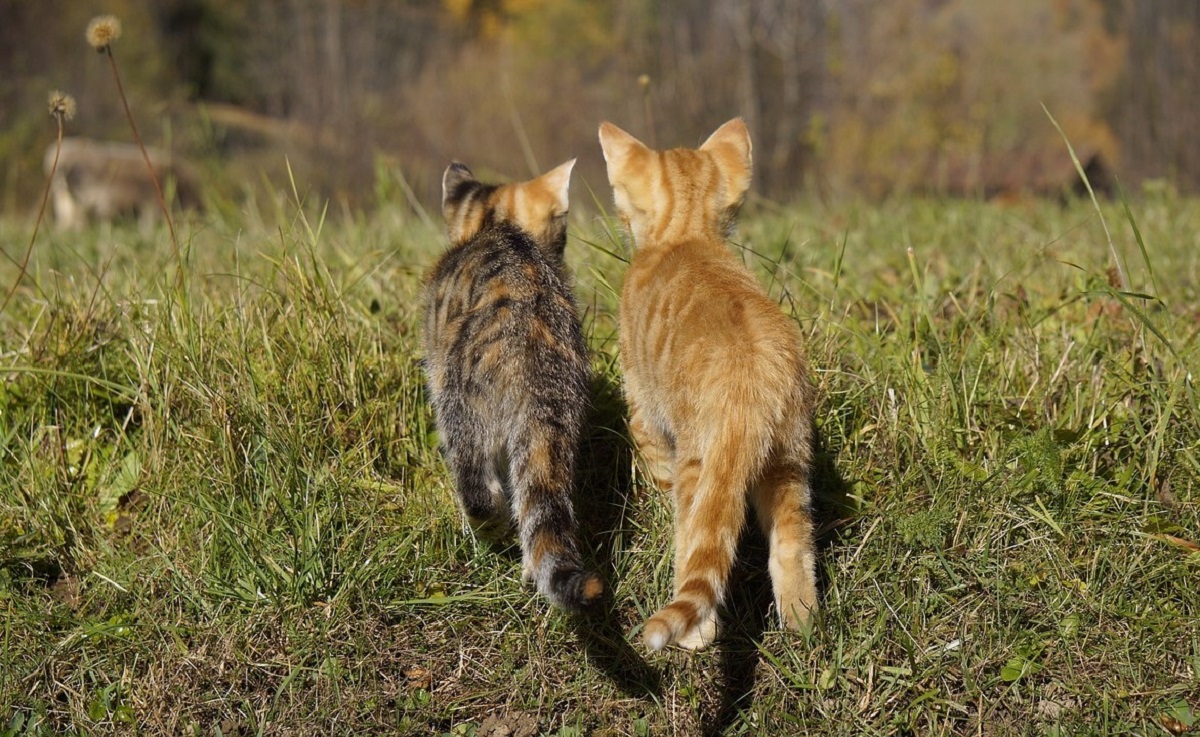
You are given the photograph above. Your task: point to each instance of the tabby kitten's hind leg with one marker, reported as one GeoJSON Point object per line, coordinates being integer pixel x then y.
{"type": "Point", "coordinates": [781, 500]}
{"type": "Point", "coordinates": [476, 481]}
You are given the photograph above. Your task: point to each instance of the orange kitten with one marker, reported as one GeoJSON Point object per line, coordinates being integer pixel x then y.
{"type": "Point", "coordinates": [719, 398]}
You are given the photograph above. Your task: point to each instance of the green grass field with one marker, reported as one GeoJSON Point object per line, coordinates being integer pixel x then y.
{"type": "Point", "coordinates": [223, 511]}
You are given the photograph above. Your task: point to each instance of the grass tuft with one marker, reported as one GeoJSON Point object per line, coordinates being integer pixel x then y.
{"type": "Point", "coordinates": [222, 508]}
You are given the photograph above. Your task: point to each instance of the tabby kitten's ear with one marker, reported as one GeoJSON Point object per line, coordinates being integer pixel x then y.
{"type": "Point", "coordinates": [539, 207]}
{"type": "Point", "coordinates": [557, 182]}
{"type": "Point", "coordinates": [456, 174]}
{"type": "Point", "coordinates": [730, 148]}
{"type": "Point", "coordinates": [463, 202]}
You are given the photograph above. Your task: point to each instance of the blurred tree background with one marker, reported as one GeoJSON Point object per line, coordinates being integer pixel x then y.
{"type": "Point", "coordinates": [843, 98]}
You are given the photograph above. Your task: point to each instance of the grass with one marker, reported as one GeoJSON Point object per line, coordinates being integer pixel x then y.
{"type": "Point", "coordinates": [222, 510]}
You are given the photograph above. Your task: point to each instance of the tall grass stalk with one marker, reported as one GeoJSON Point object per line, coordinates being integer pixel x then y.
{"type": "Point", "coordinates": [62, 109]}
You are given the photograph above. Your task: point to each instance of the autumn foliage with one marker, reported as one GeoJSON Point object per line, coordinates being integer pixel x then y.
{"type": "Point", "coordinates": [931, 96]}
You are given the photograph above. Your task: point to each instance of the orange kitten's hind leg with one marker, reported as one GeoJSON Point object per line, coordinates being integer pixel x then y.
{"type": "Point", "coordinates": [702, 635]}
{"type": "Point", "coordinates": [704, 631]}
{"type": "Point", "coordinates": [781, 501]}
{"type": "Point", "coordinates": [654, 447]}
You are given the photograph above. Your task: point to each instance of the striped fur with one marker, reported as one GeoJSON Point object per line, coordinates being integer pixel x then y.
{"type": "Point", "coordinates": [716, 380]}
{"type": "Point", "coordinates": [507, 369]}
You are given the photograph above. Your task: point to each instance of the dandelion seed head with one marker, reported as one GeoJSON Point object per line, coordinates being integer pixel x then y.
{"type": "Point", "coordinates": [62, 105]}
{"type": "Point", "coordinates": [643, 81]}
{"type": "Point", "coordinates": [103, 31]}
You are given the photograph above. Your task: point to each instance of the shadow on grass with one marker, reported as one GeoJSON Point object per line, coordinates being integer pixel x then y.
{"type": "Point", "coordinates": [744, 617]}
{"type": "Point", "coordinates": [604, 487]}
{"type": "Point", "coordinates": [747, 612]}
{"type": "Point", "coordinates": [833, 507]}
{"type": "Point", "coordinates": [28, 569]}
{"type": "Point", "coordinates": [604, 640]}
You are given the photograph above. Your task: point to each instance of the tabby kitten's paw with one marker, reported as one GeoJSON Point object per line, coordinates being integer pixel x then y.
{"type": "Point", "coordinates": [491, 529]}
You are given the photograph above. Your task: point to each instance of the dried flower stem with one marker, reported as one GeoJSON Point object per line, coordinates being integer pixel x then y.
{"type": "Point", "coordinates": [644, 84]}
{"type": "Point", "coordinates": [37, 224]}
{"type": "Point", "coordinates": [162, 202]}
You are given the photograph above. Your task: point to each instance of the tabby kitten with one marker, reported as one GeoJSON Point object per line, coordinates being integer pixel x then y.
{"type": "Point", "coordinates": [715, 377]}
{"type": "Point", "coordinates": [508, 370]}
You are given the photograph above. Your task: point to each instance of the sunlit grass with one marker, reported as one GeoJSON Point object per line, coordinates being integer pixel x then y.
{"type": "Point", "coordinates": [222, 507]}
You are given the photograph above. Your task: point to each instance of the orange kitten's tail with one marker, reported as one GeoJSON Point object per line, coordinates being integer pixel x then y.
{"type": "Point", "coordinates": [710, 531]}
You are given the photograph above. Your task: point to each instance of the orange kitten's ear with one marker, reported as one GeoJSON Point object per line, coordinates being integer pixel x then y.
{"type": "Point", "coordinates": [733, 133]}
{"type": "Point", "coordinates": [618, 147]}
{"type": "Point", "coordinates": [558, 181]}
{"type": "Point", "coordinates": [730, 147]}
{"type": "Point", "coordinates": [455, 174]}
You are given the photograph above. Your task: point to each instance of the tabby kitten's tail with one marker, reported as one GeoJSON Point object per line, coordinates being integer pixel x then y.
{"type": "Point", "coordinates": [546, 522]}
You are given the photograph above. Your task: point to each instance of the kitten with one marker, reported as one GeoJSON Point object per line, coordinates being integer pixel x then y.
{"type": "Point", "coordinates": [716, 380]}
{"type": "Point", "coordinates": [507, 369]}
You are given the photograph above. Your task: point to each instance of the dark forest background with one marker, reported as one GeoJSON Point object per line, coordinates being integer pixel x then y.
{"type": "Point", "coordinates": [847, 98]}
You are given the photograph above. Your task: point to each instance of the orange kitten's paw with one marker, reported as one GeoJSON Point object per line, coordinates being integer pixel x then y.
{"type": "Point", "coordinates": [701, 636]}
{"type": "Point", "coordinates": [662, 630]}
{"type": "Point", "coordinates": [798, 615]}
